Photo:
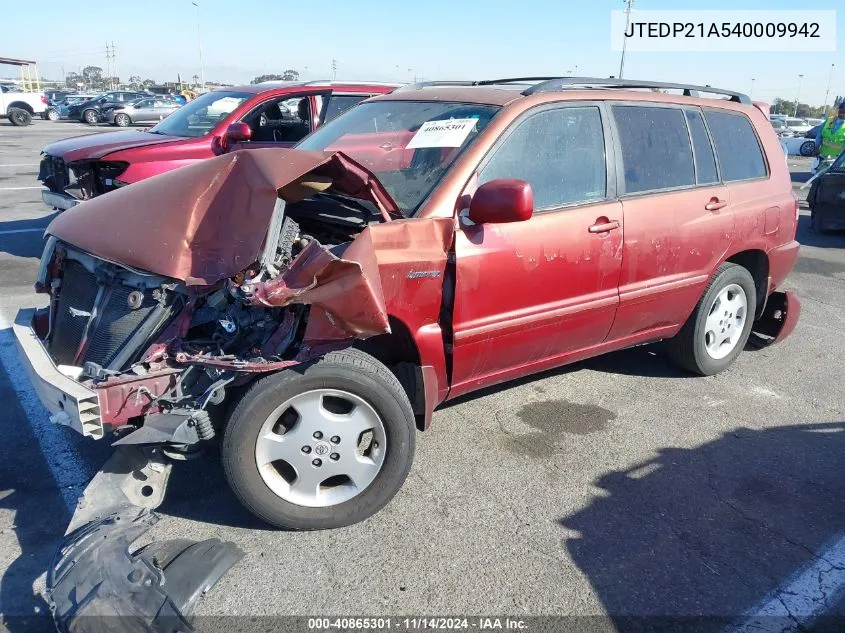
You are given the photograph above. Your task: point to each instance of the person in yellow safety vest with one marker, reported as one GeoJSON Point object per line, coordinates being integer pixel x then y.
{"type": "Point", "coordinates": [830, 139]}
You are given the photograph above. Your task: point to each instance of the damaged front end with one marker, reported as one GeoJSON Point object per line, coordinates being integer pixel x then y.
{"type": "Point", "coordinates": [207, 276]}
{"type": "Point", "coordinates": [68, 184]}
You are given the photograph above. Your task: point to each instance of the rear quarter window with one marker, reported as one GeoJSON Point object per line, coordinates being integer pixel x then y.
{"type": "Point", "coordinates": [737, 147]}
{"type": "Point", "coordinates": [656, 151]}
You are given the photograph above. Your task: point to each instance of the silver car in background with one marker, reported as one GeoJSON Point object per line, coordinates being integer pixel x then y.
{"type": "Point", "coordinates": [147, 110]}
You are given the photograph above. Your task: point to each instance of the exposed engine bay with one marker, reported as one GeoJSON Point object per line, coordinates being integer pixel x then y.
{"type": "Point", "coordinates": [115, 328]}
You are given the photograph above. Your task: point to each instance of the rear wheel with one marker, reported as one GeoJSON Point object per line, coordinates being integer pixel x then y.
{"type": "Point", "coordinates": [122, 120]}
{"type": "Point", "coordinates": [807, 148]}
{"type": "Point", "coordinates": [320, 446]}
{"type": "Point", "coordinates": [718, 329]}
{"type": "Point", "coordinates": [19, 116]}
{"type": "Point", "coordinates": [90, 117]}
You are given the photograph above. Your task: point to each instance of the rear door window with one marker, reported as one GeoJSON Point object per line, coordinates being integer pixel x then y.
{"type": "Point", "coordinates": [560, 152]}
{"type": "Point", "coordinates": [737, 147]}
{"type": "Point", "coordinates": [705, 161]}
{"type": "Point", "coordinates": [656, 151]}
{"type": "Point", "coordinates": [338, 104]}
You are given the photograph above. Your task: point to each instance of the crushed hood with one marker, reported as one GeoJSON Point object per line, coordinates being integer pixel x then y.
{"type": "Point", "coordinates": [208, 221]}
{"type": "Point", "coordinates": [95, 146]}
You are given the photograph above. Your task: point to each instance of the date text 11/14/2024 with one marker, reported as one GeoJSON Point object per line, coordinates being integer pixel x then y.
{"type": "Point", "coordinates": [416, 623]}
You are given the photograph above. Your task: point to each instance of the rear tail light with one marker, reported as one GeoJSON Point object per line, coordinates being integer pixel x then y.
{"type": "Point", "coordinates": [44, 100]}
{"type": "Point", "coordinates": [797, 208]}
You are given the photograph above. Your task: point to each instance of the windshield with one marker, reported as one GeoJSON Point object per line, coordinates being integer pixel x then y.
{"type": "Point", "coordinates": [201, 115]}
{"type": "Point", "coordinates": [408, 145]}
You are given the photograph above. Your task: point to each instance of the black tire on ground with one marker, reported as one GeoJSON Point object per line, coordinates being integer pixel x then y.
{"type": "Point", "coordinates": [90, 117]}
{"type": "Point", "coordinates": [19, 116]}
{"type": "Point", "coordinates": [807, 148]}
{"type": "Point", "coordinates": [52, 114]}
{"type": "Point", "coordinates": [815, 223]}
{"type": "Point", "coordinates": [687, 348]}
{"type": "Point", "coordinates": [349, 370]}
{"type": "Point", "coordinates": [122, 120]}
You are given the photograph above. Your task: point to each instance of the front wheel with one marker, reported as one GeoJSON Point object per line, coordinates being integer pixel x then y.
{"type": "Point", "coordinates": [90, 117]}
{"type": "Point", "coordinates": [718, 329]}
{"type": "Point", "coordinates": [807, 148]}
{"type": "Point", "coordinates": [52, 114]}
{"type": "Point", "coordinates": [19, 117]}
{"type": "Point", "coordinates": [122, 120]}
{"type": "Point", "coordinates": [320, 446]}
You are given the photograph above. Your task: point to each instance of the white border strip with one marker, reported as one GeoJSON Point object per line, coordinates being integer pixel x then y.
{"type": "Point", "coordinates": [807, 595]}
{"type": "Point", "coordinates": [65, 463]}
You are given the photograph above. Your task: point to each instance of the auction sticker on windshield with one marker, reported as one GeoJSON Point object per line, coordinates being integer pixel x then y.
{"type": "Point", "coordinates": [450, 133]}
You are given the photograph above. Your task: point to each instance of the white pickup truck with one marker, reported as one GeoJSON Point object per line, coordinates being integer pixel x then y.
{"type": "Point", "coordinates": [20, 107]}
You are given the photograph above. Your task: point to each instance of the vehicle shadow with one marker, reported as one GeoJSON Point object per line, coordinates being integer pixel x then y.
{"type": "Point", "coordinates": [24, 238]}
{"type": "Point", "coordinates": [800, 176]}
{"type": "Point", "coordinates": [693, 538]}
{"type": "Point", "coordinates": [808, 237]}
{"type": "Point", "coordinates": [198, 491]}
{"type": "Point", "coordinates": [38, 516]}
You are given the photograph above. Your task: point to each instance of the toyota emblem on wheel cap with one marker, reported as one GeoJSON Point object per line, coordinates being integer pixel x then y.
{"type": "Point", "coordinates": [321, 449]}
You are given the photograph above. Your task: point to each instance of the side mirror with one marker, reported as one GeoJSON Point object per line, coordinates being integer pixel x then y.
{"type": "Point", "coordinates": [237, 132]}
{"type": "Point", "coordinates": [502, 200]}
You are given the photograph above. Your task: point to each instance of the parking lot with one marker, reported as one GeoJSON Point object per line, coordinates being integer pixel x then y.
{"type": "Point", "coordinates": [617, 487]}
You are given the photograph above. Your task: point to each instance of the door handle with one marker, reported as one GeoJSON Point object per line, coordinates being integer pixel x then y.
{"type": "Point", "coordinates": [604, 226]}
{"type": "Point", "coordinates": [715, 204]}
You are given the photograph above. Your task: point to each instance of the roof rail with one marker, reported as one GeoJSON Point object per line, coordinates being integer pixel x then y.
{"type": "Point", "coordinates": [427, 84]}
{"type": "Point", "coordinates": [510, 80]}
{"type": "Point", "coordinates": [341, 82]}
{"type": "Point", "coordinates": [561, 83]}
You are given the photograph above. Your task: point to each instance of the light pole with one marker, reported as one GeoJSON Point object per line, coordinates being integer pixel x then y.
{"type": "Point", "coordinates": [827, 92]}
{"type": "Point", "coordinates": [199, 44]}
{"type": "Point", "coordinates": [797, 95]}
{"type": "Point", "coordinates": [752, 87]}
{"type": "Point", "coordinates": [628, 11]}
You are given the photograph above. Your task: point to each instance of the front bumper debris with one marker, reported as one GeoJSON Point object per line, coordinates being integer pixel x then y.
{"type": "Point", "coordinates": [58, 200]}
{"type": "Point", "coordinates": [780, 316]}
{"type": "Point", "coordinates": [97, 585]}
{"type": "Point", "coordinates": [69, 402]}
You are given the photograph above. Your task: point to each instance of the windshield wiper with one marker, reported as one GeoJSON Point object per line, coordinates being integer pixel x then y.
{"type": "Point", "coordinates": [361, 205]}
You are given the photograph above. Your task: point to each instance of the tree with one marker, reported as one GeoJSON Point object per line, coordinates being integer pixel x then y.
{"type": "Point", "coordinates": [93, 77]}
{"type": "Point", "coordinates": [135, 82]}
{"type": "Point", "coordinates": [148, 83]}
{"type": "Point", "coordinates": [288, 75]}
{"type": "Point", "coordinates": [72, 80]}
{"type": "Point", "coordinates": [263, 78]}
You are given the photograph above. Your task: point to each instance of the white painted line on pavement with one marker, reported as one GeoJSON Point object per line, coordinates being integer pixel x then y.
{"type": "Point", "coordinates": [13, 231]}
{"type": "Point", "coordinates": [19, 188]}
{"type": "Point", "coordinates": [64, 462]}
{"type": "Point", "coordinates": [804, 597]}
{"type": "Point", "coordinates": [20, 165]}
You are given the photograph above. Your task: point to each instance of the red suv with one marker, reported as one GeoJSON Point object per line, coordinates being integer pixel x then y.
{"type": "Point", "coordinates": [271, 114]}
{"type": "Point", "coordinates": [425, 244]}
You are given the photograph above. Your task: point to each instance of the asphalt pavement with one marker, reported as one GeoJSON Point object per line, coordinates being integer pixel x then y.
{"type": "Point", "coordinates": [615, 487]}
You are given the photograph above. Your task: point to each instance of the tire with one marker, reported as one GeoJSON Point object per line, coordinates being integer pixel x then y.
{"type": "Point", "coordinates": [690, 349]}
{"type": "Point", "coordinates": [19, 117]}
{"type": "Point", "coordinates": [122, 120]}
{"type": "Point", "coordinates": [807, 148]}
{"type": "Point", "coordinates": [353, 376]}
{"type": "Point", "coordinates": [52, 114]}
{"type": "Point", "coordinates": [816, 223]}
{"type": "Point", "coordinates": [90, 117]}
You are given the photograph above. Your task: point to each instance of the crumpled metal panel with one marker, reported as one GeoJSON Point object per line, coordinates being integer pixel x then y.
{"type": "Point", "coordinates": [96, 585]}
{"type": "Point", "coordinates": [347, 288]}
{"type": "Point", "coordinates": [207, 221]}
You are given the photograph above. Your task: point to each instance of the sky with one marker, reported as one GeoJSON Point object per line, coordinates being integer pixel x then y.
{"type": "Point", "coordinates": [395, 41]}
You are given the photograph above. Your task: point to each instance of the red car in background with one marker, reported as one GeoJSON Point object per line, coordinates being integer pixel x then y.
{"type": "Point", "coordinates": [272, 114]}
